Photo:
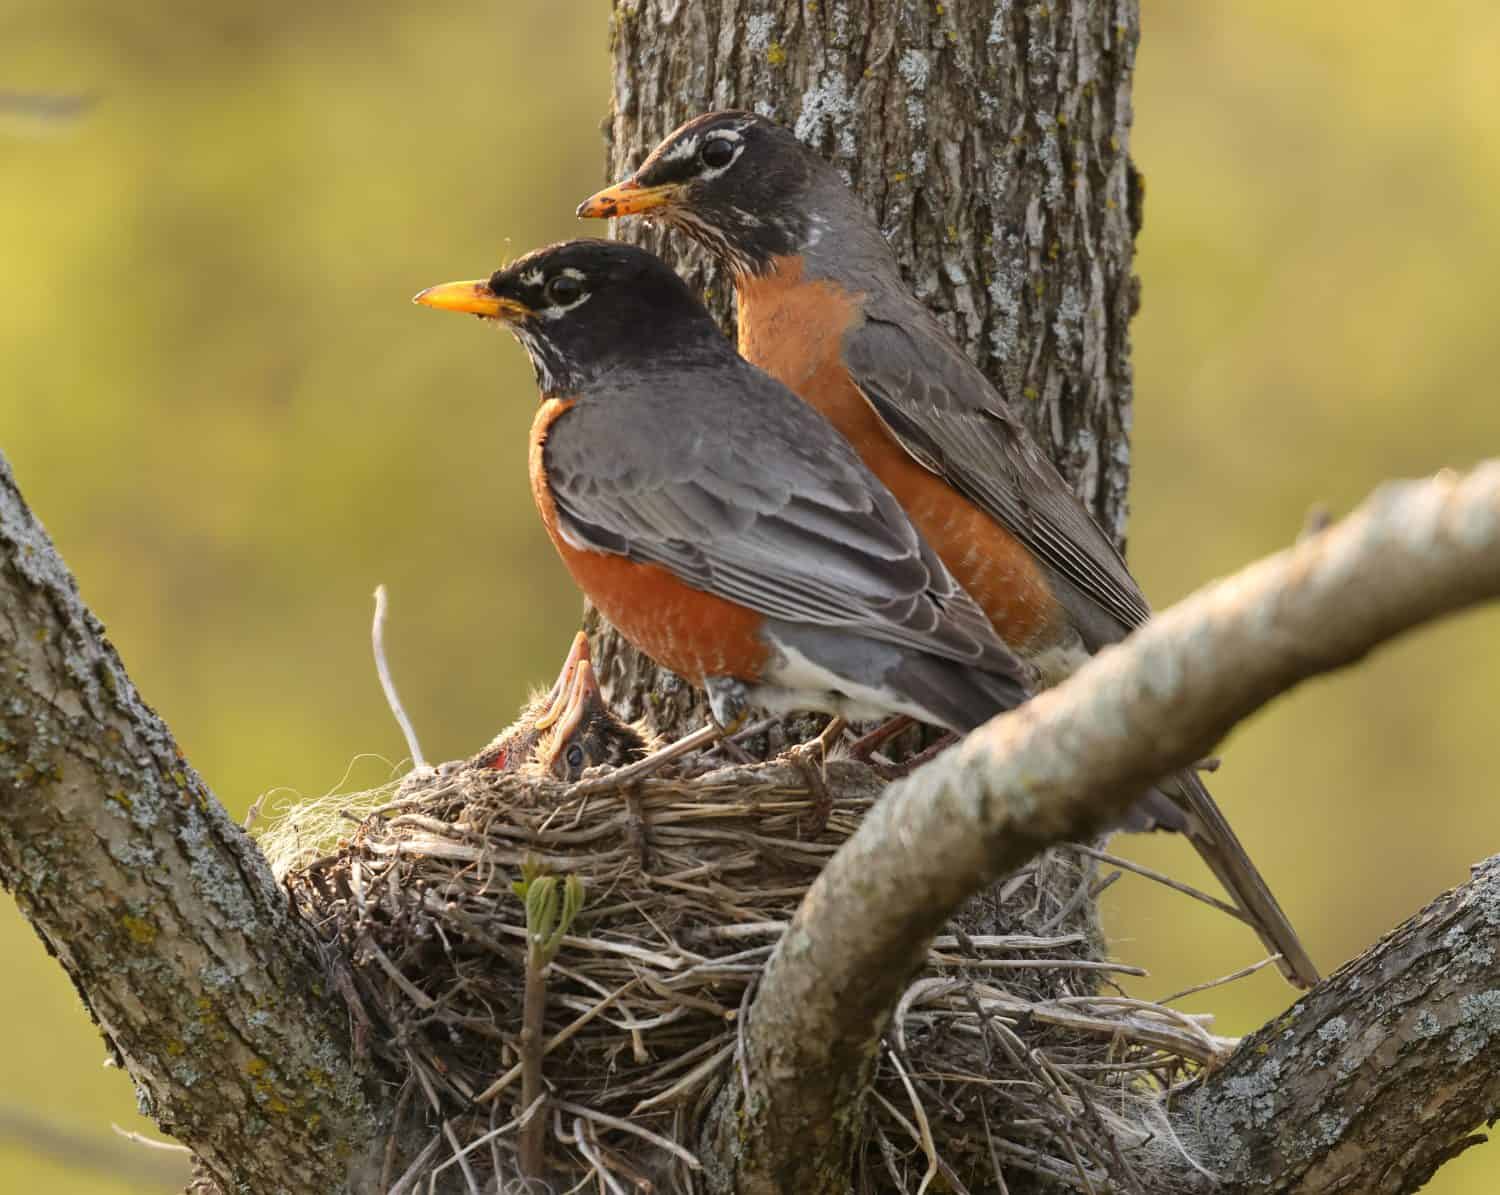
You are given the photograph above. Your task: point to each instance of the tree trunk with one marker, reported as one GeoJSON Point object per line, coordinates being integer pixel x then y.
{"type": "Point", "coordinates": [990, 139]}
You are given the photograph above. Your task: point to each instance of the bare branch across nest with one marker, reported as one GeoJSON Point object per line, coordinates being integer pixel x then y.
{"type": "Point", "coordinates": [1007, 1026]}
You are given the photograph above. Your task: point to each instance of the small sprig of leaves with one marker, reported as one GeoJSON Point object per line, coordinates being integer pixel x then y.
{"type": "Point", "coordinates": [552, 902]}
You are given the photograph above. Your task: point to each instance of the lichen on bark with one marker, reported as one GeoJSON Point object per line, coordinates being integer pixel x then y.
{"type": "Point", "coordinates": [1374, 1080]}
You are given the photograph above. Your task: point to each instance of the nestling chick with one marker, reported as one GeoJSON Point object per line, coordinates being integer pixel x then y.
{"type": "Point", "coordinates": [567, 730]}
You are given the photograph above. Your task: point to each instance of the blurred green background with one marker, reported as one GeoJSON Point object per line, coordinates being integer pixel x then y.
{"type": "Point", "coordinates": [220, 402]}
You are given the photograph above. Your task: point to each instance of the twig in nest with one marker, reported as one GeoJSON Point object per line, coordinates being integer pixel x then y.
{"type": "Point", "coordinates": [1223, 979]}
{"type": "Point", "coordinates": [864, 746]}
{"type": "Point", "coordinates": [253, 813]}
{"type": "Point", "coordinates": [989, 1140]}
{"type": "Point", "coordinates": [688, 1084]}
{"type": "Point", "coordinates": [924, 1136]}
{"type": "Point", "coordinates": [1121, 1168]}
{"type": "Point", "coordinates": [390, 1143]}
{"type": "Point", "coordinates": [642, 768]}
{"type": "Point", "coordinates": [534, 1011]}
{"type": "Point", "coordinates": [407, 1182]}
{"type": "Point", "coordinates": [625, 1126]}
{"type": "Point", "coordinates": [510, 1076]}
{"type": "Point", "coordinates": [388, 685]}
{"type": "Point", "coordinates": [589, 1148]}
{"type": "Point", "coordinates": [489, 1138]}
{"type": "Point", "coordinates": [463, 1162]}
{"type": "Point", "coordinates": [935, 1164]}
{"type": "Point", "coordinates": [1176, 885]}
{"type": "Point", "coordinates": [417, 996]}
{"type": "Point", "coordinates": [1055, 1113]}
{"type": "Point", "coordinates": [635, 827]}
{"type": "Point", "coordinates": [1087, 892]}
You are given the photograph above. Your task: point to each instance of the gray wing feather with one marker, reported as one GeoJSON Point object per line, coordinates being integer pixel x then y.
{"type": "Point", "coordinates": [751, 495]}
{"type": "Point", "coordinates": [945, 413]}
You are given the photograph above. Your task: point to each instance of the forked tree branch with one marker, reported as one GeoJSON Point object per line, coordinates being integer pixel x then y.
{"type": "Point", "coordinates": [1059, 768]}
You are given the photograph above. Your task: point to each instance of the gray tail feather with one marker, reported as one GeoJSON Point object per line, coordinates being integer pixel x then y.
{"type": "Point", "coordinates": [957, 697]}
{"type": "Point", "coordinates": [961, 698]}
{"type": "Point", "coordinates": [1184, 805]}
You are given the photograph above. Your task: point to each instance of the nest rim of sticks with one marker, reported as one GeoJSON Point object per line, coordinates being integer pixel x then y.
{"type": "Point", "coordinates": [446, 898]}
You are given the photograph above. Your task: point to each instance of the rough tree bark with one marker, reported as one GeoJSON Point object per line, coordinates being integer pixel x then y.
{"type": "Point", "coordinates": [991, 139]}
{"type": "Point", "coordinates": [184, 950]}
{"type": "Point", "coordinates": [1375, 1079]}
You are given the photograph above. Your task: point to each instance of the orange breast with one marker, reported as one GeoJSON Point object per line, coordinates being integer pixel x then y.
{"type": "Point", "coordinates": [794, 328]}
{"type": "Point", "coordinates": [691, 632]}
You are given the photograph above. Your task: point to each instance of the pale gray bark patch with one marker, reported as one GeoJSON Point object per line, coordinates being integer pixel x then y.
{"type": "Point", "coordinates": [1376, 1078]}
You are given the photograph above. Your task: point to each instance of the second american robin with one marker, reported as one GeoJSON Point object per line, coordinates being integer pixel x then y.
{"type": "Point", "coordinates": [567, 730]}
{"type": "Point", "coordinates": [717, 521]}
{"type": "Point", "coordinates": [822, 306]}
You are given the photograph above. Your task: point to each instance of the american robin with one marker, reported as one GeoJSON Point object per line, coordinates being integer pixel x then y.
{"type": "Point", "coordinates": [721, 524]}
{"type": "Point", "coordinates": [822, 307]}
{"type": "Point", "coordinates": [567, 730]}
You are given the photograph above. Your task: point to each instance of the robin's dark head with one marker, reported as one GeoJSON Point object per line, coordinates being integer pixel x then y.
{"type": "Point", "coordinates": [583, 307]}
{"type": "Point", "coordinates": [734, 182]}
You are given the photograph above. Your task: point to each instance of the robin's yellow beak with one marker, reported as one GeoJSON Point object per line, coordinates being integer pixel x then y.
{"type": "Point", "coordinates": [627, 199]}
{"type": "Point", "coordinates": [475, 298]}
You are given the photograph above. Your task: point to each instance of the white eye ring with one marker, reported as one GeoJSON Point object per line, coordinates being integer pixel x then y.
{"type": "Point", "coordinates": [564, 290]}
{"type": "Point", "coordinates": [718, 152]}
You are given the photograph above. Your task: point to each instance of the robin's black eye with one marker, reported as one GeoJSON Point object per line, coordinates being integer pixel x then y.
{"type": "Point", "coordinates": [717, 152]}
{"type": "Point", "coordinates": [575, 758]}
{"type": "Point", "coordinates": [564, 290]}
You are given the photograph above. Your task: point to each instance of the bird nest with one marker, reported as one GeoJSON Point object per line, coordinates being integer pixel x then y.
{"type": "Point", "coordinates": [636, 922]}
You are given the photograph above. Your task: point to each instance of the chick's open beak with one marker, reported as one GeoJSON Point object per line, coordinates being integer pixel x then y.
{"type": "Point", "coordinates": [557, 699]}
{"type": "Point", "coordinates": [475, 298]}
{"type": "Point", "coordinates": [581, 703]}
{"type": "Point", "coordinates": [626, 199]}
